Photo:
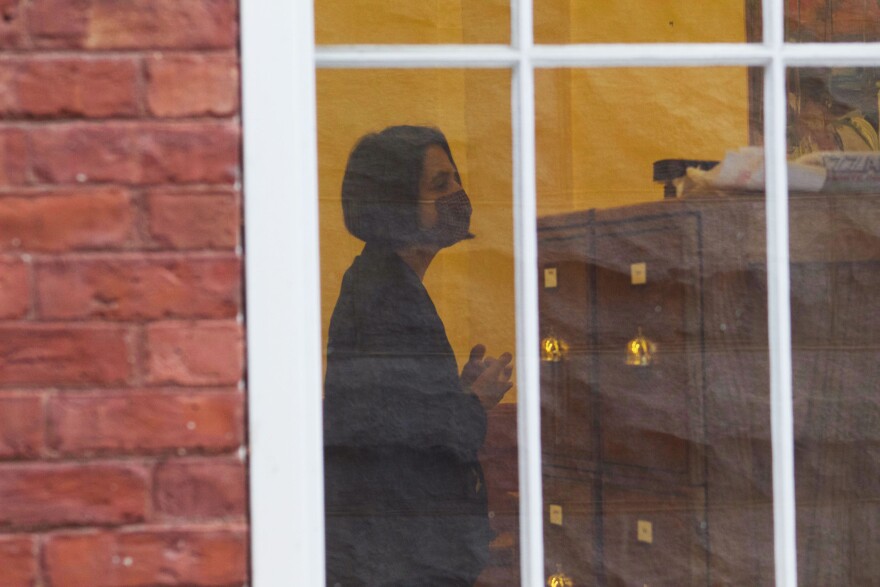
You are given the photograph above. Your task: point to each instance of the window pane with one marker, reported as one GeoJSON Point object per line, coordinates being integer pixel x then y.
{"type": "Point", "coordinates": [834, 207]}
{"type": "Point", "coordinates": [421, 464]}
{"type": "Point", "coordinates": [634, 21]}
{"type": "Point", "coordinates": [653, 317]}
{"type": "Point", "coordinates": [411, 22]}
{"type": "Point", "coordinates": [832, 21]}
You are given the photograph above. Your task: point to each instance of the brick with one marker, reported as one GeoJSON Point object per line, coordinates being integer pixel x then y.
{"type": "Point", "coordinates": [71, 153]}
{"type": "Point", "coordinates": [191, 152]}
{"type": "Point", "coordinates": [139, 288]}
{"type": "Point", "coordinates": [195, 353]}
{"type": "Point", "coordinates": [13, 33]}
{"type": "Point", "coordinates": [64, 220]}
{"type": "Point", "coordinates": [163, 23]}
{"type": "Point", "coordinates": [193, 557]}
{"type": "Point", "coordinates": [200, 489]}
{"type": "Point", "coordinates": [192, 85]}
{"type": "Point", "coordinates": [194, 221]}
{"type": "Point", "coordinates": [18, 565]}
{"type": "Point", "coordinates": [137, 153]}
{"type": "Point", "coordinates": [46, 495]}
{"type": "Point", "coordinates": [8, 94]}
{"type": "Point", "coordinates": [45, 354]}
{"type": "Point", "coordinates": [14, 288]}
{"type": "Point", "coordinates": [145, 422]}
{"type": "Point", "coordinates": [14, 161]}
{"type": "Point", "coordinates": [134, 24]}
{"type": "Point", "coordinates": [21, 426]}
{"type": "Point", "coordinates": [53, 87]}
{"type": "Point", "coordinates": [59, 23]}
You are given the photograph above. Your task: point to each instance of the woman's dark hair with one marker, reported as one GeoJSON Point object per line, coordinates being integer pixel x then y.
{"type": "Point", "coordinates": [380, 189]}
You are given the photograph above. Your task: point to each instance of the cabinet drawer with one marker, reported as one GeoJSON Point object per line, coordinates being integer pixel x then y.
{"type": "Point", "coordinates": [569, 527]}
{"type": "Point", "coordinates": [646, 416]}
{"type": "Point", "coordinates": [653, 536]}
{"type": "Point", "coordinates": [567, 413]}
{"type": "Point", "coordinates": [564, 288]}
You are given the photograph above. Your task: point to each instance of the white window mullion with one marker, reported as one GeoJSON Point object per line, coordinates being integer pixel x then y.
{"type": "Point", "coordinates": [650, 55]}
{"type": "Point", "coordinates": [283, 294]}
{"type": "Point", "coordinates": [779, 301]}
{"type": "Point", "coordinates": [531, 506]}
{"type": "Point", "coordinates": [779, 329]}
{"type": "Point", "coordinates": [494, 56]}
{"type": "Point", "coordinates": [528, 372]}
{"type": "Point", "coordinates": [600, 55]}
{"type": "Point", "coordinates": [416, 56]}
{"type": "Point", "coordinates": [831, 54]}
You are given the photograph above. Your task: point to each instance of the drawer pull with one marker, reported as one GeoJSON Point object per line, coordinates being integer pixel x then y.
{"type": "Point", "coordinates": [559, 579]}
{"type": "Point", "coordinates": [553, 349]}
{"type": "Point", "coordinates": [640, 351]}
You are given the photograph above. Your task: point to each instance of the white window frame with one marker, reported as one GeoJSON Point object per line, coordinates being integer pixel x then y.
{"type": "Point", "coordinates": [279, 58]}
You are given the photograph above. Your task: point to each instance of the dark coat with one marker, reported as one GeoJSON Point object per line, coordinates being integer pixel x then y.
{"type": "Point", "coordinates": [405, 495]}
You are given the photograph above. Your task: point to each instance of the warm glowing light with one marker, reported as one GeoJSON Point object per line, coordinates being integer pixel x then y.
{"type": "Point", "coordinates": [553, 350]}
{"type": "Point", "coordinates": [640, 351]}
{"type": "Point", "coordinates": [559, 579]}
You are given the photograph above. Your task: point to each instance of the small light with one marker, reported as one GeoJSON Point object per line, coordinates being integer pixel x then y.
{"type": "Point", "coordinates": [640, 351]}
{"type": "Point", "coordinates": [559, 579]}
{"type": "Point", "coordinates": [553, 350]}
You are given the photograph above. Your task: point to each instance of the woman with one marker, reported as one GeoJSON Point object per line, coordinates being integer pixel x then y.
{"type": "Point", "coordinates": [405, 495]}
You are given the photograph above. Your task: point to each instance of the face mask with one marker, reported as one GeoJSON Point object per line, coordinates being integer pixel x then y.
{"type": "Point", "coordinates": [453, 219]}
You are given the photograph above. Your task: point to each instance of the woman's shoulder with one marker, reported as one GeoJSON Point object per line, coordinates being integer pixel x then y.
{"type": "Point", "coordinates": [379, 276]}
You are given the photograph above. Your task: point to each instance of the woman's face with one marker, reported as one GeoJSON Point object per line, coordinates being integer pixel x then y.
{"type": "Point", "coordinates": [439, 178]}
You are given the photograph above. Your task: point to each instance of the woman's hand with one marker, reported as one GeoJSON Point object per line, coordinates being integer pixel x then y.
{"type": "Point", "coordinates": [487, 377]}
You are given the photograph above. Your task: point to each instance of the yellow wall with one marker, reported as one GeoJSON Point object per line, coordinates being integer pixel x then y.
{"type": "Point", "coordinates": [471, 283]}
{"type": "Point", "coordinates": [412, 21]}
{"type": "Point", "coordinates": [598, 131]}
{"type": "Point", "coordinates": [640, 21]}
{"type": "Point", "coordinates": [556, 21]}
{"type": "Point", "coordinates": [622, 120]}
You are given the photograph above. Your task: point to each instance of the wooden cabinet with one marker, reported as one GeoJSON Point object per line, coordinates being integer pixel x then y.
{"type": "Point", "coordinates": [684, 443]}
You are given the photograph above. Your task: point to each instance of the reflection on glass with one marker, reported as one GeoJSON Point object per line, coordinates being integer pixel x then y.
{"type": "Point", "coordinates": [635, 21]}
{"type": "Point", "coordinates": [655, 424]}
{"type": "Point", "coordinates": [832, 110]}
{"type": "Point", "coordinates": [835, 277]}
{"type": "Point", "coordinates": [832, 21]}
{"type": "Point", "coordinates": [348, 22]}
{"type": "Point", "coordinates": [419, 415]}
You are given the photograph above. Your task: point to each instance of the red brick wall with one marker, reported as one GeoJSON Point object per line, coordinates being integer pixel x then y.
{"type": "Point", "coordinates": [121, 352]}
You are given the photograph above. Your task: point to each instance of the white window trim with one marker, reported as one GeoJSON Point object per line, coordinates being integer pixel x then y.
{"type": "Point", "coordinates": [283, 295]}
{"type": "Point", "coordinates": [282, 262]}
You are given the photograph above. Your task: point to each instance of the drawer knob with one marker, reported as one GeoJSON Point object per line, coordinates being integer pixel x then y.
{"type": "Point", "coordinates": [553, 349]}
{"type": "Point", "coordinates": [559, 579]}
{"type": "Point", "coordinates": [640, 351]}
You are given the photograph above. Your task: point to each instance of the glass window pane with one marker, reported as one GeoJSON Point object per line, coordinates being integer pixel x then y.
{"type": "Point", "coordinates": [834, 212]}
{"type": "Point", "coordinates": [634, 21]}
{"type": "Point", "coordinates": [408, 22]}
{"type": "Point", "coordinates": [653, 317]}
{"type": "Point", "coordinates": [832, 21]}
{"type": "Point", "coordinates": [420, 455]}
